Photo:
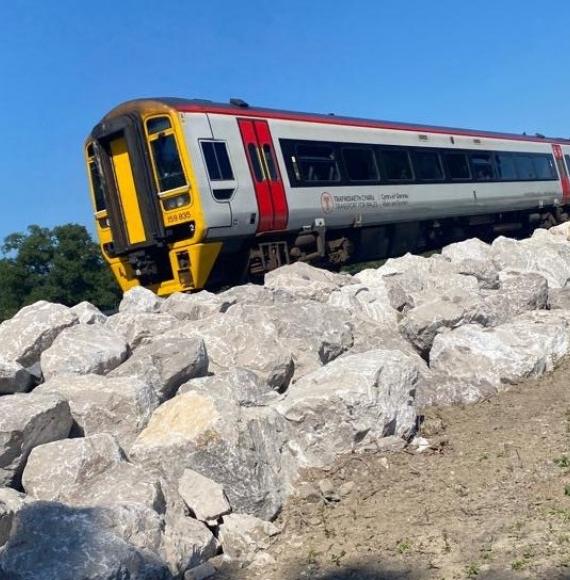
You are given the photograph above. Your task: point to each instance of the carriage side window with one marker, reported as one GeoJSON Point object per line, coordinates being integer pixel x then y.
{"type": "Point", "coordinates": [525, 167]}
{"type": "Point", "coordinates": [165, 155]}
{"type": "Point", "coordinates": [217, 160]}
{"type": "Point", "coordinates": [317, 163]}
{"type": "Point", "coordinates": [457, 166]}
{"type": "Point", "coordinates": [505, 164]}
{"type": "Point", "coordinates": [567, 157]}
{"type": "Point", "coordinates": [360, 164]}
{"type": "Point", "coordinates": [397, 165]}
{"type": "Point", "coordinates": [482, 166]}
{"type": "Point", "coordinates": [428, 166]}
{"type": "Point", "coordinates": [544, 167]}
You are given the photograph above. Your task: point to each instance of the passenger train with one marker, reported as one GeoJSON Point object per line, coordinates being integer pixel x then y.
{"type": "Point", "coordinates": [190, 194]}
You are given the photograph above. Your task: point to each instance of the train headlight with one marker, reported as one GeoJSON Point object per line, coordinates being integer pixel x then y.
{"type": "Point", "coordinates": [176, 202]}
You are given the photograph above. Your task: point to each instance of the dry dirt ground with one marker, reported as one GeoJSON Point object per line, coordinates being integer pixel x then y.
{"type": "Point", "coordinates": [490, 499]}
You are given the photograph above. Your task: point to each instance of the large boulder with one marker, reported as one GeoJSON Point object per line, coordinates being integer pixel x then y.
{"type": "Point", "coordinates": [241, 385]}
{"type": "Point", "coordinates": [537, 255]}
{"type": "Point", "coordinates": [305, 281]}
{"type": "Point", "coordinates": [354, 400]}
{"type": "Point", "coordinates": [137, 327]}
{"type": "Point", "coordinates": [88, 314]}
{"type": "Point", "coordinates": [205, 498]}
{"type": "Point", "coordinates": [240, 448]}
{"type": "Point", "coordinates": [165, 364]}
{"type": "Point", "coordinates": [14, 378]}
{"type": "Point", "coordinates": [559, 298]}
{"type": "Point", "coordinates": [195, 306]}
{"type": "Point", "coordinates": [26, 421]}
{"type": "Point", "coordinates": [187, 544]}
{"type": "Point", "coordinates": [11, 502]}
{"type": "Point", "coordinates": [57, 470]}
{"type": "Point", "coordinates": [472, 249]}
{"type": "Point", "coordinates": [243, 536]}
{"type": "Point", "coordinates": [239, 338]}
{"type": "Point", "coordinates": [32, 330]}
{"type": "Point", "coordinates": [139, 300]}
{"type": "Point", "coordinates": [524, 291]}
{"type": "Point", "coordinates": [254, 294]}
{"type": "Point", "coordinates": [364, 303]}
{"type": "Point", "coordinates": [120, 406]}
{"type": "Point", "coordinates": [84, 349]}
{"type": "Point", "coordinates": [492, 357]}
{"type": "Point", "coordinates": [51, 540]}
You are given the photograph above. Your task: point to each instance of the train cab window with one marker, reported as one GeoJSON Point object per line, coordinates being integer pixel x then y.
{"type": "Point", "coordinates": [525, 167]}
{"type": "Point", "coordinates": [457, 166]}
{"type": "Point", "coordinates": [505, 164]}
{"type": "Point", "coordinates": [482, 166]}
{"type": "Point", "coordinates": [544, 167]}
{"type": "Point", "coordinates": [217, 160]}
{"type": "Point", "coordinates": [397, 165]}
{"type": "Point", "coordinates": [428, 166]}
{"type": "Point", "coordinates": [97, 184]}
{"type": "Point", "coordinates": [165, 155]}
{"type": "Point", "coordinates": [360, 164]}
{"type": "Point", "coordinates": [317, 163]}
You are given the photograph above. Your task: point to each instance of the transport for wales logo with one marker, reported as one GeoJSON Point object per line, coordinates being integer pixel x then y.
{"type": "Point", "coordinates": [327, 202]}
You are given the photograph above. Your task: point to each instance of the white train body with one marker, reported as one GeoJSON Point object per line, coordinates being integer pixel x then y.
{"type": "Point", "coordinates": [254, 185]}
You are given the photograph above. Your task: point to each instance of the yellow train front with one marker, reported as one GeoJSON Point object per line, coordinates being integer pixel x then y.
{"type": "Point", "coordinates": [190, 194]}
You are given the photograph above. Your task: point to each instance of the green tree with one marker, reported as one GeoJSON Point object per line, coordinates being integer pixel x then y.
{"type": "Point", "coordinates": [62, 264]}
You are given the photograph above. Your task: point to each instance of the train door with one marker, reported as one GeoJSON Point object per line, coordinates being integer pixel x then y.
{"type": "Point", "coordinates": [269, 189]}
{"type": "Point", "coordinates": [564, 178]}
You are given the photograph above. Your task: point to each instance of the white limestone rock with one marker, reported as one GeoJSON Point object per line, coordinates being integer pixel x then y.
{"type": "Point", "coordinates": [203, 496]}
{"type": "Point", "coordinates": [165, 364]}
{"type": "Point", "coordinates": [195, 306]}
{"type": "Point", "coordinates": [26, 421]}
{"type": "Point", "coordinates": [14, 378]}
{"type": "Point", "coordinates": [351, 401]}
{"type": "Point", "coordinates": [139, 300]}
{"type": "Point", "coordinates": [363, 303]}
{"type": "Point", "coordinates": [305, 281]}
{"type": "Point", "coordinates": [119, 406]}
{"type": "Point", "coordinates": [494, 357]}
{"type": "Point", "coordinates": [187, 545]}
{"type": "Point", "coordinates": [138, 327]}
{"type": "Point", "coordinates": [240, 338]}
{"type": "Point", "coordinates": [32, 330]}
{"type": "Point", "coordinates": [88, 314]}
{"type": "Point", "coordinates": [241, 448]}
{"type": "Point", "coordinates": [243, 536]}
{"type": "Point", "coordinates": [472, 249]}
{"type": "Point", "coordinates": [56, 470]}
{"type": "Point", "coordinates": [534, 255]}
{"type": "Point", "coordinates": [11, 502]}
{"type": "Point", "coordinates": [67, 543]}
{"type": "Point", "coordinates": [84, 349]}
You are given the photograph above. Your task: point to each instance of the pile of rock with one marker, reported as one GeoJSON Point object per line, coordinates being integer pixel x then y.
{"type": "Point", "coordinates": [146, 443]}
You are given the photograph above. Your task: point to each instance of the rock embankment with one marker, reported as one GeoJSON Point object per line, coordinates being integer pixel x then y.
{"type": "Point", "coordinates": [146, 443]}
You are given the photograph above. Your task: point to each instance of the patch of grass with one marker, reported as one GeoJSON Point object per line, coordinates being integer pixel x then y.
{"type": "Point", "coordinates": [336, 558]}
{"type": "Point", "coordinates": [563, 461]}
{"type": "Point", "coordinates": [312, 556]}
{"type": "Point", "coordinates": [562, 513]}
{"type": "Point", "coordinates": [567, 489]}
{"type": "Point", "coordinates": [472, 570]}
{"type": "Point", "coordinates": [518, 565]}
{"type": "Point", "coordinates": [483, 456]}
{"type": "Point", "coordinates": [403, 546]}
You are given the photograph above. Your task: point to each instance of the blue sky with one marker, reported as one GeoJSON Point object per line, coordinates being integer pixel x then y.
{"type": "Point", "coordinates": [500, 65]}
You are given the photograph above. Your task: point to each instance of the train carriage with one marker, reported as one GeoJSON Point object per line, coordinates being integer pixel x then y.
{"type": "Point", "coordinates": [191, 194]}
